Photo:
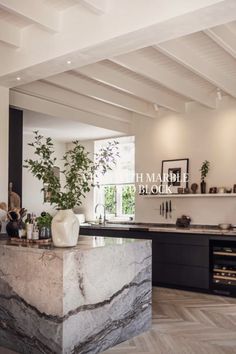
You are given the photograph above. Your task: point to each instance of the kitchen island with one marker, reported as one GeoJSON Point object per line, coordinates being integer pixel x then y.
{"type": "Point", "coordinates": [78, 300]}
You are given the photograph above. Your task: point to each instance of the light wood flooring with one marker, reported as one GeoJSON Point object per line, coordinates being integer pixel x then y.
{"type": "Point", "coordinates": [184, 323]}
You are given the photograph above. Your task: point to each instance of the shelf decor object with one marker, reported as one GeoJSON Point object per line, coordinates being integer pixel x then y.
{"type": "Point", "coordinates": [204, 172]}
{"type": "Point", "coordinates": [175, 174]}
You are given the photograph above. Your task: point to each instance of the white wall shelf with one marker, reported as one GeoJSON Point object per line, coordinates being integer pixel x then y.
{"type": "Point", "coordinates": [207, 195]}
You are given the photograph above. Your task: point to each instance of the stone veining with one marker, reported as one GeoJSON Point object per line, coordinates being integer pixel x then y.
{"type": "Point", "coordinates": [51, 314]}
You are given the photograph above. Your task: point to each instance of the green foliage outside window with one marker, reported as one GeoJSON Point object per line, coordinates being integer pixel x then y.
{"type": "Point", "coordinates": [128, 200]}
{"type": "Point", "coordinates": [110, 199]}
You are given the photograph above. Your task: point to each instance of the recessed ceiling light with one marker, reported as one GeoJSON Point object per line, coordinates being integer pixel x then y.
{"type": "Point", "coordinates": [156, 107]}
{"type": "Point", "coordinates": [68, 62]}
{"type": "Point", "coordinates": [219, 94]}
{"type": "Point", "coordinates": [18, 78]}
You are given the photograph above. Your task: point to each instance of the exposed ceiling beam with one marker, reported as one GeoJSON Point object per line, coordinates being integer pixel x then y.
{"type": "Point", "coordinates": [175, 82]}
{"type": "Point", "coordinates": [55, 109]}
{"type": "Point", "coordinates": [97, 38]}
{"type": "Point", "coordinates": [35, 11]}
{"type": "Point", "coordinates": [74, 100]}
{"type": "Point", "coordinates": [187, 56]}
{"type": "Point", "coordinates": [224, 37]}
{"type": "Point", "coordinates": [97, 6]}
{"type": "Point", "coordinates": [9, 34]}
{"type": "Point", "coordinates": [90, 88]}
{"type": "Point", "coordinates": [121, 81]}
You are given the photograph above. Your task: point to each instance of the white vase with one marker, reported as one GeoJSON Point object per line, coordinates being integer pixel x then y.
{"type": "Point", "coordinates": [65, 229]}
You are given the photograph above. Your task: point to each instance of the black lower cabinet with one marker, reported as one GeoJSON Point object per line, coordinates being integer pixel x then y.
{"type": "Point", "coordinates": [189, 255]}
{"type": "Point", "coordinates": [180, 264]}
{"type": "Point", "coordinates": [180, 275]}
{"type": "Point", "coordinates": [181, 261]}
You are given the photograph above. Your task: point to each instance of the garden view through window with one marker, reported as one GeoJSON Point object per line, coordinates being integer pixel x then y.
{"type": "Point", "coordinates": [117, 187]}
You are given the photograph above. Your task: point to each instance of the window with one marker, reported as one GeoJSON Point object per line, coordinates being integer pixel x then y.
{"type": "Point", "coordinates": [117, 187]}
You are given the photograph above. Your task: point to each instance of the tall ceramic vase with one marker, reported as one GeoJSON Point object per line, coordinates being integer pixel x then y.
{"type": "Point", "coordinates": [65, 229]}
{"type": "Point", "coordinates": [203, 187]}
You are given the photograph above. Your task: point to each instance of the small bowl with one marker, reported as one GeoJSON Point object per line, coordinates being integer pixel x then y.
{"type": "Point", "coordinates": [225, 226]}
{"type": "Point", "coordinates": [221, 190]}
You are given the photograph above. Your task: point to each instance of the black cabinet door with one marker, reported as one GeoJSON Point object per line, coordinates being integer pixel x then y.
{"type": "Point", "coordinates": [180, 275]}
{"type": "Point", "coordinates": [180, 238]}
{"type": "Point", "coordinates": [180, 264]}
{"type": "Point", "coordinates": [181, 254]}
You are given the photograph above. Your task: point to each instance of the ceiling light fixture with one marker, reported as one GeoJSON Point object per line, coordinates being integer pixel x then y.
{"type": "Point", "coordinates": [156, 107]}
{"type": "Point", "coordinates": [18, 78]}
{"type": "Point", "coordinates": [68, 62]}
{"type": "Point", "coordinates": [219, 94]}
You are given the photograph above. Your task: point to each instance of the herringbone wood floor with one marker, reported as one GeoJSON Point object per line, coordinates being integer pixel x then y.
{"type": "Point", "coordinates": [184, 323]}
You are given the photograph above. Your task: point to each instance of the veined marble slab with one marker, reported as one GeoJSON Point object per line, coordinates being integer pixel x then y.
{"type": "Point", "coordinates": [79, 300]}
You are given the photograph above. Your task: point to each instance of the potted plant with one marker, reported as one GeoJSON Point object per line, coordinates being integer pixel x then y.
{"type": "Point", "coordinates": [79, 172]}
{"type": "Point", "coordinates": [204, 171]}
{"type": "Point", "coordinates": [44, 222]}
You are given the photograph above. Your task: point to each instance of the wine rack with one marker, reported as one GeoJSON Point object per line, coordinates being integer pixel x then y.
{"type": "Point", "coordinates": [223, 267]}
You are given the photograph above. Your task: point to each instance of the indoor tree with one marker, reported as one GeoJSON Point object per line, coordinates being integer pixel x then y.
{"type": "Point", "coordinates": [79, 170]}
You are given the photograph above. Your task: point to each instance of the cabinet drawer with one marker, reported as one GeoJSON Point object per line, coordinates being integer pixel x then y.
{"type": "Point", "coordinates": [180, 238]}
{"type": "Point", "coordinates": [180, 254]}
{"type": "Point", "coordinates": [177, 275]}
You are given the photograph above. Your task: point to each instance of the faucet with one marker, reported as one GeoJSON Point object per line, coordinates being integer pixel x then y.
{"type": "Point", "coordinates": [104, 211]}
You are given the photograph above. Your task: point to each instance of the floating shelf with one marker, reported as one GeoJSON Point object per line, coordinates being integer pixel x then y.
{"type": "Point", "coordinates": [207, 195]}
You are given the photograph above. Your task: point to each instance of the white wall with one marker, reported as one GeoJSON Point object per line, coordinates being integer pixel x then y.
{"type": "Point", "coordinates": [32, 197]}
{"type": "Point", "coordinates": [4, 128]}
{"type": "Point", "coordinates": [200, 134]}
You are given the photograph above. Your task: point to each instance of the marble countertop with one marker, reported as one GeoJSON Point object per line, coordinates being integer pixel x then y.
{"type": "Point", "coordinates": [194, 229]}
{"type": "Point", "coordinates": [84, 244]}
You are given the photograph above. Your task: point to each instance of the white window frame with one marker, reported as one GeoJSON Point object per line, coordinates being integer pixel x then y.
{"type": "Point", "coordinates": [100, 197]}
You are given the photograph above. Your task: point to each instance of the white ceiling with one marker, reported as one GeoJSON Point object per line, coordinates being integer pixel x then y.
{"type": "Point", "coordinates": [61, 129]}
{"type": "Point", "coordinates": [126, 59]}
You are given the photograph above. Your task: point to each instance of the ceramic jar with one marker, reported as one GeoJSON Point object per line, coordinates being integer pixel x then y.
{"type": "Point", "coordinates": [65, 229]}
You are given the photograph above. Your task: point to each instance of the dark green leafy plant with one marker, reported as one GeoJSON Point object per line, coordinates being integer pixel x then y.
{"type": "Point", "coordinates": [79, 170]}
{"type": "Point", "coordinates": [204, 169]}
{"type": "Point", "coordinates": [44, 220]}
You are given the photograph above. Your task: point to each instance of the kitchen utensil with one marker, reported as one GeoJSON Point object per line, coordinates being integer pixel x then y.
{"type": "Point", "coordinates": [170, 208]}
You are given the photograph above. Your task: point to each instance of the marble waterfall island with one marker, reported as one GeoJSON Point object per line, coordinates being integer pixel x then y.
{"type": "Point", "coordinates": [80, 300]}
